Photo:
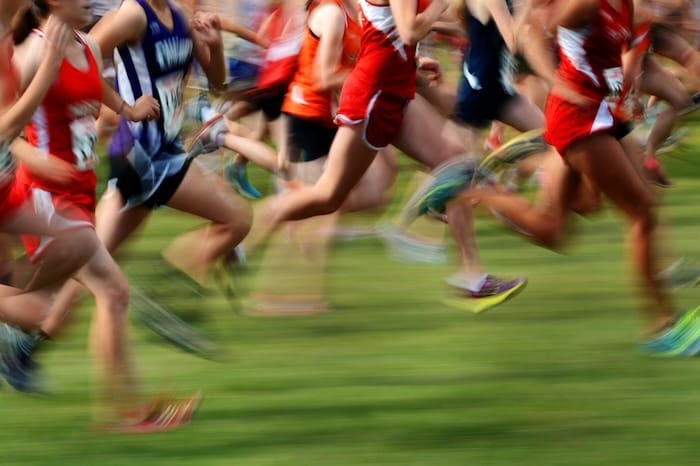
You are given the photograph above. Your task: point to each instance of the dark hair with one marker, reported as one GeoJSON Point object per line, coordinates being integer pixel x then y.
{"type": "Point", "coordinates": [30, 20]}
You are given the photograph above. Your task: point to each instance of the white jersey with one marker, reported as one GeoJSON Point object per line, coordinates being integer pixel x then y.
{"type": "Point", "coordinates": [99, 8]}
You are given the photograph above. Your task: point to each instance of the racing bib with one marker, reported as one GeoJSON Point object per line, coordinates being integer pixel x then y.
{"type": "Point", "coordinates": [614, 79]}
{"type": "Point", "coordinates": [84, 137]}
{"type": "Point", "coordinates": [169, 90]}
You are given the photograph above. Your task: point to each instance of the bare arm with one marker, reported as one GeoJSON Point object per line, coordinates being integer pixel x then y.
{"type": "Point", "coordinates": [14, 118]}
{"type": "Point", "coordinates": [498, 10]}
{"type": "Point", "coordinates": [243, 32]}
{"type": "Point", "coordinates": [123, 26]}
{"type": "Point", "coordinates": [328, 23]}
{"type": "Point", "coordinates": [205, 30]}
{"type": "Point", "coordinates": [414, 26]}
{"type": "Point", "coordinates": [571, 13]}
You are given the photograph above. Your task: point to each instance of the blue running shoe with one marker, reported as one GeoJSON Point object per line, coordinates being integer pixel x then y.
{"type": "Point", "coordinates": [237, 174]}
{"type": "Point", "coordinates": [17, 366]}
{"type": "Point", "coordinates": [443, 185]}
{"type": "Point", "coordinates": [681, 339]}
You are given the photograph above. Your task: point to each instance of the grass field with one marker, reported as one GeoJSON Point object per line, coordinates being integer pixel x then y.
{"type": "Point", "coordinates": [393, 377]}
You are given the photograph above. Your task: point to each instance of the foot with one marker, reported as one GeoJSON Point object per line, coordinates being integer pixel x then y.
{"type": "Point", "coordinates": [655, 174]}
{"type": "Point", "coordinates": [515, 150]}
{"type": "Point", "coordinates": [680, 274]}
{"type": "Point", "coordinates": [171, 328]}
{"type": "Point", "coordinates": [207, 140]}
{"type": "Point", "coordinates": [680, 339]}
{"type": "Point", "coordinates": [409, 248]}
{"type": "Point", "coordinates": [17, 365]}
{"type": "Point", "coordinates": [445, 183]}
{"type": "Point", "coordinates": [237, 174]}
{"type": "Point", "coordinates": [492, 292]}
{"type": "Point", "coordinates": [162, 416]}
{"type": "Point", "coordinates": [492, 143]}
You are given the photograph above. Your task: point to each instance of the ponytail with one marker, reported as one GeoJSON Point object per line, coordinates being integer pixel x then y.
{"type": "Point", "coordinates": [30, 20]}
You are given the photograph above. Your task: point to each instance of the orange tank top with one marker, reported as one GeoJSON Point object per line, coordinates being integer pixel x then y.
{"type": "Point", "coordinates": [303, 98]}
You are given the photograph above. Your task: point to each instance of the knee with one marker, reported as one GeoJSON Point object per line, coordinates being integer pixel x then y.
{"type": "Point", "coordinates": [329, 202]}
{"type": "Point", "coordinates": [239, 220]}
{"type": "Point", "coordinates": [118, 294]}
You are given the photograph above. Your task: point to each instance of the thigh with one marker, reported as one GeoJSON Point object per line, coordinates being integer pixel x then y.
{"type": "Point", "coordinates": [101, 273]}
{"type": "Point", "coordinates": [659, 82]}
{"type": "Point", "coordinates": [114, 223]}
{"type": "Point", "coordinates": [348, 159]}
{"type": "Point", "coordinates": [206, 195]}
{"type": "Point", "coordinates": [602, 159]}
{"type": "Point", "coordinates": [420, 136]}
{"type": "Point", "coordinates": [521, 114]}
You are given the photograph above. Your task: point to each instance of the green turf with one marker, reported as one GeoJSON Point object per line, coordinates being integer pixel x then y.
{"type": "Point", "coordinates": [393, 377]}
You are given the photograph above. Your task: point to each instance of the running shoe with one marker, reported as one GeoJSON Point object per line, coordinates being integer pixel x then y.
{"type": "Point", "coordinates": [444, 184]}
{"type": "Point", "coordinates": [672, 142]}
{"type": "Point", "coordinates": [17, 366]}
{"type": "Point", "coordinates": [162, 416]}
{"type": "Point", "coordinates": [492, 292]}
{"type": "Point", "coordinates": [405, 247]}
{"type": "Point", "coordinates": [237, 174]}
{"type": "Point", "coordinates": [694, 106]}
{"type": "Point", "coordinates": [171, 328]}
{"type": "Point", "coordinates": [681, 339]}
{"type": "Point", "coordinates": [512, 152]}
{"type": "Point", "coordinates": [204, 141]}
{"type": "Point", "coordinates": [681, 273]}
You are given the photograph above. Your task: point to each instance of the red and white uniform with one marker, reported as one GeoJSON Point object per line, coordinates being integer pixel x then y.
{"type": "Point", "coordinates": [64, 127]}
{"type": "Point", "coordinates": [12, 194]}
{"type": "Point", "coordinates": [383, 80]}
{"type": "Point", "coordinates": [590, 64]}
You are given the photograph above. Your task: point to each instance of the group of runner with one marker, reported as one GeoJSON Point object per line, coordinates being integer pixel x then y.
{"type": "Point", "coordinates": [357, 87]}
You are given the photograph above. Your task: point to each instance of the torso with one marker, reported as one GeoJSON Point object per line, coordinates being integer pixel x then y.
{"type": "Point", "coordinates": [591, 56]}
{"type": "Point", "coordinates": [384, 62]}
{"type": "Point", "coordinates": [486, 59]}
{"type": "Point", "coordinates": [303, 99]}
{"type": "Point", "coordinates": [64, 124]}
{"type": "Point", "coordinates": [157, 66]}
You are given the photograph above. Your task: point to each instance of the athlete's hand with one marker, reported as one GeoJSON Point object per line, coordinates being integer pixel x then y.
{"type": "Point", "coordinates": [566, 92]}
{"type": "Point", "coordinates": [207, 26]}
{"type": "Point", "coordinates": [58, 36]}
{"type": "Point", "coordinates": [429, 71]}
{"type": "Point", "coordinates": [52, 169]}
{"type": "Point", "coordinates": [145, 108]}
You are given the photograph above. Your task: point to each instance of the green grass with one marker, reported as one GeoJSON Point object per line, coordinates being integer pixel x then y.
{"type": "Point", "coordinates": [393, 377]}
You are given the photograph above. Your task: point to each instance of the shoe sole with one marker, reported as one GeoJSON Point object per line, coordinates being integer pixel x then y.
{"type": "Point", "coordinates": [479, 305]}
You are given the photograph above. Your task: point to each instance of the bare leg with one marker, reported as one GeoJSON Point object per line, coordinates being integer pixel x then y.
{"type": "Point", "coordinates": [602, 159]}
{"type": "Point", "coordinates": [206, 196]}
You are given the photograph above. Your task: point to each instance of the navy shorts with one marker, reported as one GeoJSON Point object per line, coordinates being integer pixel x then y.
{"type": "Point", "coordinates": [311, 139]}
{"type": "Point", "coordinates": [479, 107]}
{"type": "Point", "coordinates": [127, 181]}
